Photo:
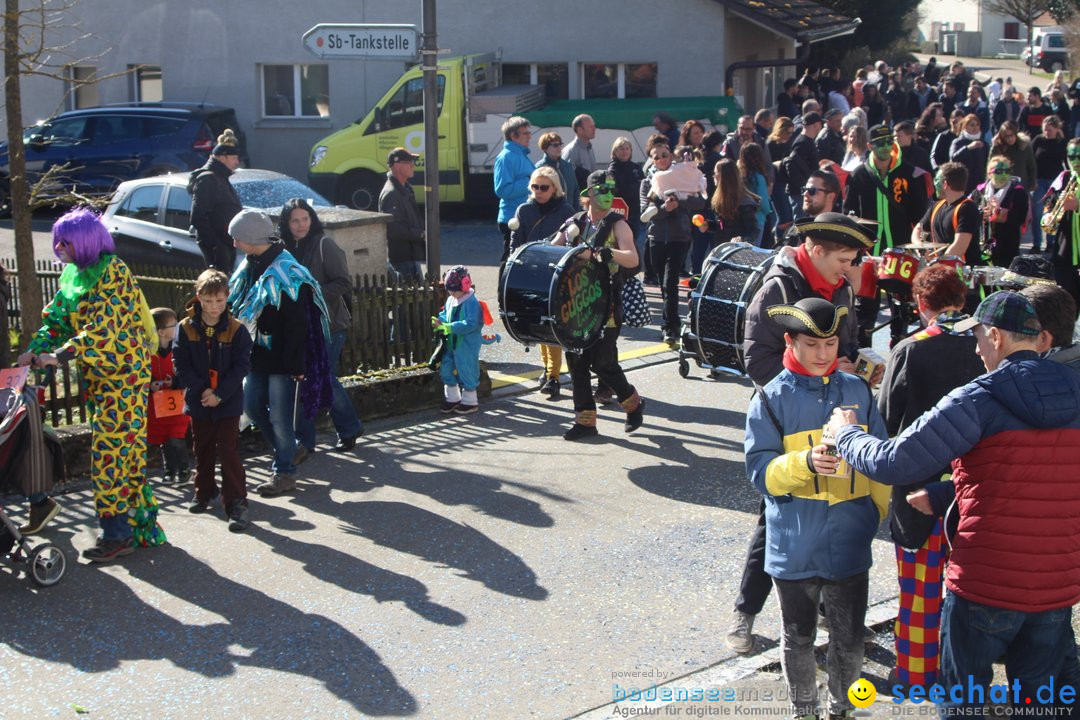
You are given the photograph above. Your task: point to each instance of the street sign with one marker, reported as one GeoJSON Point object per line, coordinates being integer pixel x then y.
{"type": "Point", "coordinates": [357, 40]}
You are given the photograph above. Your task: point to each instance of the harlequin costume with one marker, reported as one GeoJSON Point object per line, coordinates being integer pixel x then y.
{"type": "Point", "coordinates": [100, 318]}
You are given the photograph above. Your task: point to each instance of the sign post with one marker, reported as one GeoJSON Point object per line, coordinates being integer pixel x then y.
{"type": "Point", "coordinates": [369, 41]}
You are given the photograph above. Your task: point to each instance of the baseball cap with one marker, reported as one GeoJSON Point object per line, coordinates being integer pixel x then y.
{"type": "Point", "coordinates": [599, 180]}
{"type": "Point", "coordinates": [880, 133]}
{"type": "Point", "coordinates": [400, 154]}
{"type": "Point", "coordinates": [1005, 310]}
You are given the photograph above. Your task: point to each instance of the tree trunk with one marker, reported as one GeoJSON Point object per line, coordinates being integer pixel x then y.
{"type": "Point", "coordinates": [30, 302]}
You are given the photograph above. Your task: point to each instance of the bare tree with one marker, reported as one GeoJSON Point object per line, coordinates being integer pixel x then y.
{"type": "Point", "coordinates": [39, 39]}
{"type": "Point", "coordinates": [1024, 11]}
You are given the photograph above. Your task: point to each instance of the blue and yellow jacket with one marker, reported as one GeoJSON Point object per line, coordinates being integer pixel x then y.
{"type": "Point", "coordinates": [816, 526]}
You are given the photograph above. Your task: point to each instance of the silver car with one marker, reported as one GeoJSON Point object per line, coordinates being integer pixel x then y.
{"type": "Point", "coordinates": [150, 218]}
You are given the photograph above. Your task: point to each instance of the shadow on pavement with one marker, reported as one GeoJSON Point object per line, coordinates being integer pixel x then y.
{"type": "Point", "coordinates": [96, 623]}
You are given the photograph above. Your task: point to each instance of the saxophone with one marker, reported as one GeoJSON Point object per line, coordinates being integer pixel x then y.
{"type": "Point", "coordinates": [1051, 220]}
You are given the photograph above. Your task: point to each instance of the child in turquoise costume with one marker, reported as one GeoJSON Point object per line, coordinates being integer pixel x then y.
{"type": "Point", "coordinates": [461, 321]}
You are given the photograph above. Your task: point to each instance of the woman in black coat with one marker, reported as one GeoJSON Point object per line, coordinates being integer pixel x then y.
{"type": "Point", "coordinates": [543, 213]}
{"type": "Point", "coordinates": [970, 150]}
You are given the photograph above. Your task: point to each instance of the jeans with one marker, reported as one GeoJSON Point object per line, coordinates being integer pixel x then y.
{"type": "Point", "coordinates": [973, 636]}
{"type": "Point", "coordinates": [342, 412]}
{"type": "Point", "coordinates": [269, 401]}
{"type": "Point", "coordinates": [668, 259]}
{"type": "Point", "coordinates": [1042, 185]}
{"type": "Point", "coordinates": [845, 610]}
{"type": "Point", "coordinates": [116, 527]}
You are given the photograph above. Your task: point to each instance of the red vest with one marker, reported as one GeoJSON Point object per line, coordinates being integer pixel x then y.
{"type": "Point", "coordinates": [1017, 545]}
{"type": "Point", "coordinates": [158, 430]}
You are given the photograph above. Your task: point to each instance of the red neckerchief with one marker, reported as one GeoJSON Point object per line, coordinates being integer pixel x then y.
{"type": "Point", "coordinates": [817, 283]}
{"type": "Point", "coordinates": [792, 363]}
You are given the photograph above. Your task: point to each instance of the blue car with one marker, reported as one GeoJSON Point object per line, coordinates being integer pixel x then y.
{"type": "Point", "coordinates": [98, 148]}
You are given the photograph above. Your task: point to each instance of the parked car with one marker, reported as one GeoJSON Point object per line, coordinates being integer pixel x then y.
{"type": "Point", "coordinates": [1048, 51]}
{"type": "Point", "coordinates": [150, 218]}
{"type": "Point", "coordinates": [104, 146]}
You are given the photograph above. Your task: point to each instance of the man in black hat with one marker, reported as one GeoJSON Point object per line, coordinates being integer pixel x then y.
{"type": "Point", "coordinates": [820, 519]}
{"type": "Point", "coordinates": [405, 248]}
{"type": "Point", "coordinates": [830, 143]}
{"type": "Point", "coordinates": [814, 269]}
{"type": "Point", "coordinates": [893, 193]}
{"type": "Point", "coordinates": [802, 160]}
{"type": "Point", "coordinates": [214, 203]}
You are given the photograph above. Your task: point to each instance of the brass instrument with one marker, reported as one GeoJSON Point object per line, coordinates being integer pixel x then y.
{"type": "Point", "coordinates": [1051, 220]}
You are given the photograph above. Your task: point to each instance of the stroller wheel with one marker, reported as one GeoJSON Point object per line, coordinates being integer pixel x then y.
{"type": "Point", "coordinates": [684, 367]}
{"type": "Point", "coordinates": [47, 565]}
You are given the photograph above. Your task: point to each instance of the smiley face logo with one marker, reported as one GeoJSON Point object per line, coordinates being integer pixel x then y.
{"type": "Point", "coordinates": [862, 693]}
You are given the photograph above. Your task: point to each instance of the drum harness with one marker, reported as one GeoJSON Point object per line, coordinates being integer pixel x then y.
{"type": "Point", "coordinates": [604, 229]}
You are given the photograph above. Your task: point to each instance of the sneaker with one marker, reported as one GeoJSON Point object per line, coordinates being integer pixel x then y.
{"type": "Point", "coordinates": [279, 483]}
{"type": "Point", "coordinates": [670, 338]}
{"type": "Point", "coordinates": [463, 409]}
{"type": "Point", "coordinates": [347, 443]}
{"type": "Point", "coordinates": [238, 517]}
{"type": "Point", "coordinates": [108, 550]}
{"type": "Point", "coordinates": [302, 454]}
{"type": "Point", "coordinates": [869, 635]}
{"type": "Point", "coordinates": [198, 506]}
{"type": "Point", "coordinates": [185, 476]}
{"type": "Point", "coordinates": [447, 406]}
{"type": "Point", "coordinates": [739, 637]}
{"type": "Point", "coordinates": [603, 395]}
{"type": "Point", "coordinates": [551, 388]}
{"type": "Point", "coordinates": [635, 417]}
{"type": "Point", "coordinates": [578, 431]}
{"type": "Point", "coordinates": [40, 516]}
{"type": "Point", "coordinates": [169, 479]}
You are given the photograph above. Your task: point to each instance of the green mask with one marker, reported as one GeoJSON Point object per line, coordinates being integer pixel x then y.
{"type": "Point", "coordinates": [1074, 163]}
{"type": "Point", "coordinates": [603, 200]}
{"type": "Point", "coordinates": [939, 184]}
{"type": "Point", "coordinates": [881, 150]}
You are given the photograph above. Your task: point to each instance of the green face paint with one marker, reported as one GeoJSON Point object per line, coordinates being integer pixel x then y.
{"type": "Point", "coordinates": [1074, 162]}
{"type": "Point", "coordinates": [939, 184]}
{"type": "Point", "coordinates": [881, 150]}
{"type": "Point", "coordinates": [603, 200]}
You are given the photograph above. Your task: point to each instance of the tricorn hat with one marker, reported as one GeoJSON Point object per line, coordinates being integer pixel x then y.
{"type": "Point", "coordinates": [810, 316]}
{"type": "Point", "coordinates": [837, 228]}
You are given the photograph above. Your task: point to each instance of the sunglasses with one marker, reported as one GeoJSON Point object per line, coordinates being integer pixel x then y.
{"type": "Point", "coordinates": [661, 156]}
{"type": "Point", "coordinates": [1002, 169]}
{"type": "Point", "coordinates": [1073, 155]}
{"type": "Point", "coordinates": [555, 144]}
{"type": "Point", "coordinates": [811, 191]}
{"type": "Point", "coordinates": [540, 188]}
{"type": "Point", "coordinates": [884, 142]}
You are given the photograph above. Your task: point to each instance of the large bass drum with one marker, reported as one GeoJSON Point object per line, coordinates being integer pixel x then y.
{"type": "Point", "coordinates": [551, 294]}
{"type": "Point", "coordinates": [713, 328]}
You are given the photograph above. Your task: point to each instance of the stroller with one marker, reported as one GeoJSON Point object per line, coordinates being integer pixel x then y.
{"type": "Point", "coordinates": [23, 450]}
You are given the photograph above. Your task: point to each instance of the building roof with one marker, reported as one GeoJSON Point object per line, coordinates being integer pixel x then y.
{"type": "Point", "coordinates": [802, 20]}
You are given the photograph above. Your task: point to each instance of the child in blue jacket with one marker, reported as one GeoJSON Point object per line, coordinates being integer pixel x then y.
{"type": "Point", "coordinates": [461, 321]}
{"type": "Point", "coordinates": [820, 518]}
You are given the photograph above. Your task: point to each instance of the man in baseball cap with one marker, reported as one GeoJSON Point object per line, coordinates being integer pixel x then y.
{"type": "Point", "coordinates": [1012, 439]}
{"type": "Point", "coordinates": [400, 155]}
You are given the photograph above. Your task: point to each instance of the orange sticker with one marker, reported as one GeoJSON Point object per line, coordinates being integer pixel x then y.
{"type": "Point", "coordinates": [167, 402]}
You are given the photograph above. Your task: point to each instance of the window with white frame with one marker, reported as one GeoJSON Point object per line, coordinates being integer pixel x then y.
{"type": "Point", "coordinates": [555, 77]}
{"type": "Point", "coordinates": [296, 91]}
{"type": "Point", "coordinates": [618, 80]}
{"type": "Point", "coordinates": [145, 85]}
{"type": "Point", "coordinates": [81, 87]}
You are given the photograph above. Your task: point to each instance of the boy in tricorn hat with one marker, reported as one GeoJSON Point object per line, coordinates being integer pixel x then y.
{"type": "Point", "coordinates": [820, 516]}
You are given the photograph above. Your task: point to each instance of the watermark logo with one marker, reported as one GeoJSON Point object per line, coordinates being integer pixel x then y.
{"type": "Point", "coordinates": [862, 693]}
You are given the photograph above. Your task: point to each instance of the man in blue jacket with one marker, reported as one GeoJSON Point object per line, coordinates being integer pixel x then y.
{"type": "Point", "coordinates": [512, 171]}
{"type": "Point", "coordinates": [1014, 574]}
{"type": "Point", "coordinates": [820, 517]}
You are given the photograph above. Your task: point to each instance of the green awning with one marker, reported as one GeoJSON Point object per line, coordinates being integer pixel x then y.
{"type": "Point", "coordinates": [635, 113]}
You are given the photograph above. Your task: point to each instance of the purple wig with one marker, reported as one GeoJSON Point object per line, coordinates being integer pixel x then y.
{"type": "Point", "coordinates": [86, 236]}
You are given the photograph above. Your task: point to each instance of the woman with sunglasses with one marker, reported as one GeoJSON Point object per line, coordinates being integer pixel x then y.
{"type": "Point", "coordinates": [539, 218]}
{"type": "Point", "coordinates": [551, 145]}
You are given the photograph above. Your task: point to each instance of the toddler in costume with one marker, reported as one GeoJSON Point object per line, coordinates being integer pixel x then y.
{"type": "Point", "coordinates": [461, 321]}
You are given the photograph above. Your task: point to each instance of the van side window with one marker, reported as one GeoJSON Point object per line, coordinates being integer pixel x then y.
{"type": "Point", "coordinates": [70, 131]}
{"type": "Point", "coordinates": [406, 106]}
{"type": "Point", "coordinates": [116, 129]}
{"type": "Point", "coordinates": [1055, 41]}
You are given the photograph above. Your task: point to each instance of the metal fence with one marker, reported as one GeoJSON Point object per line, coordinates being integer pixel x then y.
{"type": "Point", "coordinates": [391, 326]}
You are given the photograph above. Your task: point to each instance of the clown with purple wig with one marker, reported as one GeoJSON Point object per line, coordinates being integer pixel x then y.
{"type": "Point", "coordinates": [100, 319]}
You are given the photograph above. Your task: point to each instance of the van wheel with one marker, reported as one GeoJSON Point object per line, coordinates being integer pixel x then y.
{"type": "Point", "coordinates": [1056, 65]}
{"type": "Point", "coordinates": [360, 190]}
